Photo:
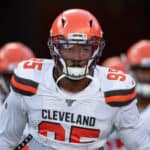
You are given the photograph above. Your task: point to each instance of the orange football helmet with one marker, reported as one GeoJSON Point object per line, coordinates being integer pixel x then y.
{"type": "Point", "coordinates": [139, 54]}
{"type": "Point", "coordinates": [75, 27]}
{"type": "Point", "coordinates": [115, 62]}
{"type": "Point", "coordinates": [12, 53]}
{"type": "Point", "coordinates": [138, 57]}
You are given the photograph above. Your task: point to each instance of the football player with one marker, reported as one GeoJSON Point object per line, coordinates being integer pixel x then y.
{"type": "Point", "coordinates": [138, 57]}
{"type": "Point", "coordinates": [70, 103]}
{"type": "Point", "coordinates": [115, 62]}
{"type": "Point", "coordinates": [10, 55]}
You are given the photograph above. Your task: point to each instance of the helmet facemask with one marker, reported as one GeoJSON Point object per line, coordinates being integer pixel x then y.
{"type": "Point", "coordinates": [76, 72]}
{"type": "Point", "coordinates": [141, 73]}
{"type": "Point", "coordinates": [5, 83]}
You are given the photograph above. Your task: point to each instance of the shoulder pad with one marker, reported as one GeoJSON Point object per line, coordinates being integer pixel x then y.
{"type": "Point", "coordinates": [27, 76]}
{"type": "Point", "coordinates": [119, 89]}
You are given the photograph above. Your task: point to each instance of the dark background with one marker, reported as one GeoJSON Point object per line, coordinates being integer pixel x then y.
{"type": "Point", "coordinates": [123, 22]}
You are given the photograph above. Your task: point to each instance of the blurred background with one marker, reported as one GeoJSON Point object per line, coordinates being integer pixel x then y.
{"type": "Point", "coordinates": [123, 22]}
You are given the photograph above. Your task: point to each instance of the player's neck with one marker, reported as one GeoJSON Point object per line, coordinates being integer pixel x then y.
{"type": "Point", "coordinates": [72, 86]}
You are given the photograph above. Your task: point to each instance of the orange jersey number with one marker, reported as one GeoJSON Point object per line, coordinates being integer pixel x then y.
{"type": "Point", "coordinates": [76, 133]}
{"type": "Point", "coordinates": [33, 63]}
{"type": "Point", "coordinates": [114, 75]}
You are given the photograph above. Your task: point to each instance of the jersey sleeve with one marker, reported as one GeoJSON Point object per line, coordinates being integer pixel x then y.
{"type": "Point", "coordinates": [130, 128]}
{"type": "Point", "coordinates": [12, 121]}
{"type": "Point", "coordinates": [119, 89]}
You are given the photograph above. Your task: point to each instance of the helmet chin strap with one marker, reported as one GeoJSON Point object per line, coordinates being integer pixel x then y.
{"type": "Point", "coordinates": [63, 76]}
{"type": "Point", "coordinates": [60, 77]}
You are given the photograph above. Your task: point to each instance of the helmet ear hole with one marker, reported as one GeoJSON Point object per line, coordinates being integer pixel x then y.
{"type": "Point", "coordinates": [101, 47]}
{"type": "Point", "coordinates": [102, 44]}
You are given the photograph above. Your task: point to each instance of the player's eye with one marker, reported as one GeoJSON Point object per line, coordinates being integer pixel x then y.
{"type": "Point", "coordinates": [64, 46]}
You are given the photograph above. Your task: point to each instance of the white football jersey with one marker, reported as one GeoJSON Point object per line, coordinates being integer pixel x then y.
{"type": "Point", "coordinates": [114, 142]}
{"type": "Point", "coordinates": [146, 118]}
{"type": "Point", "coordinates": [69, 121]}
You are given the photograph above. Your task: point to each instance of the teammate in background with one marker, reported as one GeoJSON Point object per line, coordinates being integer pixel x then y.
{"type": "Point", "coordinates": [10, 55]}
{"type": "Point", "coordinates": [70, 103]}
{"type": "Point", "coordinates": [115, 62]}
{"type": "Point", "coordinates": [138, 57]}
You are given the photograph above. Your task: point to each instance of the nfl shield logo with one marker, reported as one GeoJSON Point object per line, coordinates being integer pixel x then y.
{"type": "Point", "coordinates": [70, 101]}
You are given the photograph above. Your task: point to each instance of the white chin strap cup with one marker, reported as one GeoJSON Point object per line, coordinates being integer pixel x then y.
{"type": "Point", "coordinates": [75, 73]}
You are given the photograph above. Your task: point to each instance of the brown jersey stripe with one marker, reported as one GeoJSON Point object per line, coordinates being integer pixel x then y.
{"type": "Point", "coordinates": [24, 86]}
{"type": "Point", "coordinates": [22, 92]}
{"type": "Point", "coordinates": [25, 81]}
{"type": "Point", "coordinates": [116, 104]}
{"type": "Point", "coordinates": [119, 92]}
{"type": "Point", "coordinates": [121, 98]}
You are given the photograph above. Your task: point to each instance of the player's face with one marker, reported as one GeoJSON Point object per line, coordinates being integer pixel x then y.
{"type": "Point", "coordinates": [75, 54]}
{"type": "Point", "coordinates": [143, 86]}
{"type": "Point", "coordinates": [143, 75]}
